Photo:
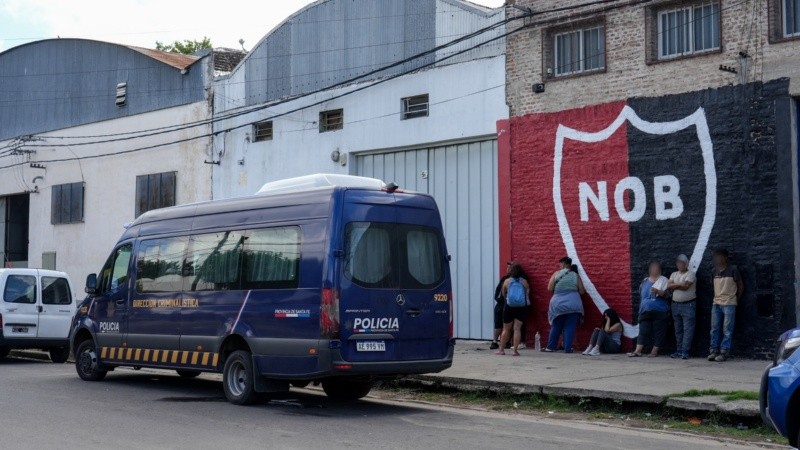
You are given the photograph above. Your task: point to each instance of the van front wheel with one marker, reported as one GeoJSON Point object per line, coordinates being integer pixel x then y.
{"type": "Point", "coordinates": [87, 363]}
{"type": "Point", "coordinates": [237, 379]}
{"type": "Point", "coordinates": [344, 390]}
{"type": "Point", "coordinates": [59, 355]}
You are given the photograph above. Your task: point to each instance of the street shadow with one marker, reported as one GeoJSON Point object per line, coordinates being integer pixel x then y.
{"type": "Point", "coordinates": [297, 402]}
{"type": "Point", "coordinates": [21, 360]}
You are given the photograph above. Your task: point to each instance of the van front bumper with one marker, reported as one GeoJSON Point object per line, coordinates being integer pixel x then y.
{"type": "Point", "coordinates": [778, 384]}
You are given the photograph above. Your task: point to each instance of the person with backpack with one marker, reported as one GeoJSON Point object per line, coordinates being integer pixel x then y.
{"type": "Point", "coordinates": [515, 292]}
{"type": "Point", "coordinates": [566, 306]}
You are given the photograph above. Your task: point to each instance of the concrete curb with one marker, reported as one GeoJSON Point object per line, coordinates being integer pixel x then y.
{"type": "Point", "coordinates": [738, 408]}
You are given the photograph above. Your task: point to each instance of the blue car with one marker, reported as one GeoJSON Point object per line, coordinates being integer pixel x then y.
{"type": "Point", "coordinates": [780, 388]}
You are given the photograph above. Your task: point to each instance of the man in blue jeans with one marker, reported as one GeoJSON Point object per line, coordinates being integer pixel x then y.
{"type": "Point", "coordinates": [684, 303]}
{"type": "Point", "coordinates": [728, 290]}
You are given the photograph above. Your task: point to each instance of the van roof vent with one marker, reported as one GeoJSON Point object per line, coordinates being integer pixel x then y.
{"type": "Point", "coordinates": [319, 180]}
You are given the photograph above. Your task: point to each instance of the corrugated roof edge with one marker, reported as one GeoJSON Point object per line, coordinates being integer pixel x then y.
{"type": "Point", "coordinates": [176, 60]}
{"type": "Point", "coordinates": [473, 7]}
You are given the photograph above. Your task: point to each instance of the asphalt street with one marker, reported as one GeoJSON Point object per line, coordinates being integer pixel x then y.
{"type": "Point", "coordinates": [46, 406]}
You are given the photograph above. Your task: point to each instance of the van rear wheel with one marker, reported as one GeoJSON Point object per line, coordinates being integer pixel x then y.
{"type": "Point", "coordinates": [87, 364]}
{"type": "Point", "coordinates": [344, 390]}
{"type": "Point", "coordinates": [237, 379]}
{"type": "Point", "coordinates": [59, 355]}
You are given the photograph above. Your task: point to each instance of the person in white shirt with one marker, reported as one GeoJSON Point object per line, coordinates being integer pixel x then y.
{"type": "Point", "coordinates": [684, 306]}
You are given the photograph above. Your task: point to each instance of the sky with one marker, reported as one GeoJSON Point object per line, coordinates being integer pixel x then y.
{"type": "Point", "coordinates": [143, 22]}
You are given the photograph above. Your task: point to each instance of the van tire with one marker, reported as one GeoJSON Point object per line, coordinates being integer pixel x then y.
{"type": "Point", "coordinates": [87, 363]}
{"type": "Point", "coordinates": [237, 379]}
{"type": "Point", "coordinates": [187, 373]}
{"type": "Point", "coordinates": [343, 390]}
{"type": "Point", "coordinates": [4, 351]}
{"type": "Point", "coordinates": [59, 355]}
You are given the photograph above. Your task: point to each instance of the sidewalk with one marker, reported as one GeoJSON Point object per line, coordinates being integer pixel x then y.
{"type": "Point", "coordinates": [616, 377]}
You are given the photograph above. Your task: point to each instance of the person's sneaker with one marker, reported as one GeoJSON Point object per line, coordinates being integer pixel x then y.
{"type": "Point", "coordinates": [494, 346]}
{"type": "Point", "coordinates": [722, 357]}
{"type": "Point", "coordinates": [676, 355]}
{"type": "Point", "coordinates": [595, 352]}
{"type": "Point", "coordinates": [587, 351]}
{"type": "Point", "coordinates": [685, 356]}
{"type": "Point", "coordinates": [713, 356]}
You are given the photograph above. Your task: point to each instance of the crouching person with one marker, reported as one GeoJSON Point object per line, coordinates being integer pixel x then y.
{"type": "Point", "coordinates": [607, 338]}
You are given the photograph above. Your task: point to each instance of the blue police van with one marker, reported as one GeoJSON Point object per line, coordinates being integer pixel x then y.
{"type": "Point", "coordinates": [780, 388]}
{"type": "Point", "coordinates": [332, 280]}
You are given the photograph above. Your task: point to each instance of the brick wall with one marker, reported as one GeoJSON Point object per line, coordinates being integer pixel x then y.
{"type": "Point", "coordinates": [745, 124]}
{"type": "Point", "coordinates": [746, 27]}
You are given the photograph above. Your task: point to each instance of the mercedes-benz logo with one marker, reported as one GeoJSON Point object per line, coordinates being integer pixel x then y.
{"type": "Point", "coordinates": [400, 300]}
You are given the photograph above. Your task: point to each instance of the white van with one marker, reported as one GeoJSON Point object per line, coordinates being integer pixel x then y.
{"type": "Point", "coordinates": [35, 311]}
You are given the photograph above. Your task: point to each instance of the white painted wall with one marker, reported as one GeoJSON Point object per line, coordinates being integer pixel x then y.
{"type": "Point", "coordinates": [466, 100]}
{"type": "Point", "coordinates": [110, 184]}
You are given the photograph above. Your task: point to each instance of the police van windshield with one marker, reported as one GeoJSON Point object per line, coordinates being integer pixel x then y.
{"type": "Point", "coordinates": [393, 256]}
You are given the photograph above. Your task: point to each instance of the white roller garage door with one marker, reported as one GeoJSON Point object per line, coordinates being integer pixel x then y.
{"type": "Point", "coordinates": [463, 180]}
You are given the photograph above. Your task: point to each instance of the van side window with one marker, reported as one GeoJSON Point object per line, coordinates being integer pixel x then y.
{"type": "Point", "coordinates": [115, 272]}
{"type": "Point", "coordinates": [214, 260]}
{"type": "Point", "coordinates": [55, 291]}
{"type": "Point", "coordinates": [160, 265]}
{"type": "Point", "coordinates": [20, 289]}
{"type": "Point", "coordinates": [271, 258]}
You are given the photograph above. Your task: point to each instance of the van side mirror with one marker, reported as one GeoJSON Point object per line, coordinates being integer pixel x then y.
{"type": "Point", "coordinates": [91, 284]}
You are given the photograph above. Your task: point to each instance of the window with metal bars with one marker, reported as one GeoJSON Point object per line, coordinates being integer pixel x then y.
{"type": "Point", "coordinates": [262, 131]}
{"type": "Point", "coordinates": [416, 106]}
{"type": "Point", "coordinates": [331, 120]}
{"type": "Point", "coordinates": [687, 30]}
{"type": "Point", "coordinates": [791, 18]}
{"type": "Point", "coordinates": [580, 50]}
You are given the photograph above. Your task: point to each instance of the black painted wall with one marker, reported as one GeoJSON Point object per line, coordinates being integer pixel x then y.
{"type": "Point", "coordinates": [751, 130]}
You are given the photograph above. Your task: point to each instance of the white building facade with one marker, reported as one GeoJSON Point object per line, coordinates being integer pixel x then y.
{"type": "Point", "coordinates": [85, 149]}
{"type": "Point", "coordinates": [294, 107]}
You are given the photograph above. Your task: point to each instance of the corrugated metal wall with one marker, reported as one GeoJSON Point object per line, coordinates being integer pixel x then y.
{"type": "Point", "coordinates": [60, 83]}
{"type": "Point", "coordinates": [463, 180]}
{"type": "Point", "coordinates": [333, 41]}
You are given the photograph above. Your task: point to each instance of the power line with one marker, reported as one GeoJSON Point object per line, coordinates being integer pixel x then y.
{"type": "Point", "coordinates": [351, 81]}
{"type": "Point", "coordinates": [179, 127]}
{"type": "Point", "coordinates": [243, 112]}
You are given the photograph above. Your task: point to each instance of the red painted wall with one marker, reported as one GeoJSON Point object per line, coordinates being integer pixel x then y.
{"type": "Point", "coordinates": [536, 241]}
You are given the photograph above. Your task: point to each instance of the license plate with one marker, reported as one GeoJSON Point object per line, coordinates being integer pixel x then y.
{"type": "Point", "coordinates": [19, 329]}
{"type": "Point", "coordinates": [371, 346]}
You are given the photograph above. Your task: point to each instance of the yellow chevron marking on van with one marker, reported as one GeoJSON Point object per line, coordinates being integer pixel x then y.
{"type": "Point", "coordinates": [155, 356]}
{"type": "Point", "coordinates": [205, 359]}
{"type": "Point", "coordinates": [195, 355]}
{"type": "Point", "coordinates": [214, 361]}
{"type": "Point", "coordinates": [175, 356]}
{"type": "Point", "coordinates": [138, 355]}
{"type": "Point", "coordinates": [184, 357]}
{"type": "Point", "coordinates": [103, 352]}
{"type": "Point", "coordinates": [113, 353]}
{"type": "Point", "coordinates": [129, 354]}
{"type": "Point", "coordinates": [146, 356]}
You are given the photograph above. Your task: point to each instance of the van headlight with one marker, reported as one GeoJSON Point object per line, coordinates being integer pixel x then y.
{"type": "Point", "coordinates": [787, 348]}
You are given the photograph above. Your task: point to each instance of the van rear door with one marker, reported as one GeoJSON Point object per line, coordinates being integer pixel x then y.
{"type": "Point", "coordinates": [20, 309]}
{"type": "Point", "coordinates": [394, 280]}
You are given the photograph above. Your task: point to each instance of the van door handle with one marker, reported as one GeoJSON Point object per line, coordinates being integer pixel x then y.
{"type": "Point", "coordinates": [120, 302]}
{"type": "Point", "coordinates": [414, 312]}
{"type": "Point", "coordinates": [40, 308]}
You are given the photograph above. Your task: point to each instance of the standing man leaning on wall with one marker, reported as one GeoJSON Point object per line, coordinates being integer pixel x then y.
{"type": "Point", "coordinates": [684, 306]}
{"type": "Point", "coordinates": [728, 290]}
